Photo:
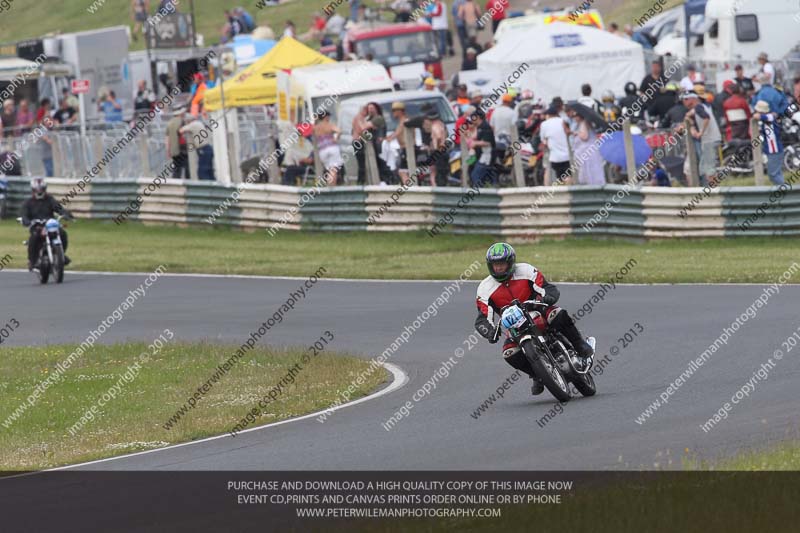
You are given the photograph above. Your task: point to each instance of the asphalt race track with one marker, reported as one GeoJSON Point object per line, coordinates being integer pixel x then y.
{"type": "Point", "coordinates": [597, 433]}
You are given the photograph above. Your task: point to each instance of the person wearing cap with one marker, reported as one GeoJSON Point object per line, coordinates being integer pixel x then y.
{"type": "Point", "coordinates": [745, 83]}
{"type": "Point", "coordinates": [462, 98]}
{"type": "Point", "coordinates": [771, 141]}
{"type": "Point", "coordinates": [399, 115]}
{"type": "Point", "coordinates": [766, 74]}
{"type": "Point", "coordinates": [692, 77]}
{"type": "Point", "coordinates": [706, 134]}
{"type": "Point", "coordinates": [177, 147]}
{"type": "Point", "coordinates": [553, 133]}
{"type": "Point", "coordinates": [430, 84]}
{"type": "Point", "coordinates": [503, 117]}
{"type": "Point", "coordinates": [737, 115]}
{"type": "Point", "coordinates": [470, 61]}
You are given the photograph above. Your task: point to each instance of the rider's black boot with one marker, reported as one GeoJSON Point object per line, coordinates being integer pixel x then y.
{"type": "Point", "coordinates": [566, 326]}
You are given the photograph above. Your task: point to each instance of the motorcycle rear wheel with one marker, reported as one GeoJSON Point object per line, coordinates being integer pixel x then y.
{"type": "Point", "coordinates": [549, 373]}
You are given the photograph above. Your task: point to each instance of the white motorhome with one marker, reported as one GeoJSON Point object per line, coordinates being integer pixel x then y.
{"type": "Point", "coordinates": [304, 92]}
{"type": "Point", "coordinates": [738, 31]}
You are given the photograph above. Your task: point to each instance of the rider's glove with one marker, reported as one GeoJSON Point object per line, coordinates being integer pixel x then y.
{"type": "Point", "coordinates": [549, 299]}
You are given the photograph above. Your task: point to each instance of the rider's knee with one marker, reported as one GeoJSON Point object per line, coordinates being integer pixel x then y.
{"type": "Point", "coordinates": [556, 316]}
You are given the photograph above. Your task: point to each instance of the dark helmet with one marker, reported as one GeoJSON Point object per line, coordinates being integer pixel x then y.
{"type": "Point", "coordinates": [38, 188]}
{"type": "Point", "coordinates": [498, 253]}
{"type": "Point", "coordinates": [630, 88]}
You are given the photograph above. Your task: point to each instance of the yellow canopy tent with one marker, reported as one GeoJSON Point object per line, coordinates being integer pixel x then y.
{"type": "Point", "coordinates": [256, 85]}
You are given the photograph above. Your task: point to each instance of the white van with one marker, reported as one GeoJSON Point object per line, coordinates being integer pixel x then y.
{"type": "Point", "coordinates": [416, 102]}
{"type": "Point", "coordinates": [738, 31]}
{"type": "Point", "coordinates": [306, 91]}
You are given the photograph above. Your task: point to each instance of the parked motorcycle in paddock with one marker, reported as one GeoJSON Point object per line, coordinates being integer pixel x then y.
{"type": "Point", "coordinates": [51, 257]}
{"type": "Point", "coordinates": [553, 358]}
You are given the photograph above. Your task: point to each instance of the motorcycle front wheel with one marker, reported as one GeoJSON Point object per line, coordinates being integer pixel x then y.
{"type": "Point", "coordinates": [44, 270]}
{"type": "Point", "coordinates": [58, 263]}
{"type": "Point", "coordinates": [549, 373]}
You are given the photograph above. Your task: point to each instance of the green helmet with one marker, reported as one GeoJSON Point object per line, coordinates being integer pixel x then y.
{"type": "Point", "coordinates": [501, 252]}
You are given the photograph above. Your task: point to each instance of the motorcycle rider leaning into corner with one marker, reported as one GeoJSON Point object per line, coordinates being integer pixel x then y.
{"type": "Point", "coordinates": [509, 280]}
{"type": "Point", "coordinates": [41, 206]}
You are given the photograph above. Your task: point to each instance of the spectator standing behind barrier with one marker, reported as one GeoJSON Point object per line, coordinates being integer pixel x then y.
{"type": "Point", "coordinates": [503, 118]}
{"type": "Point", "coordinates": [139, 11]}
{"type": "Point", "coordinates": [326, 135]}
{"type": "Point", "coordinates": [674, 116]}
{"type": "Point", "coordinates": [745, 83]}
{"type": "Point", "coordinates": [359, 126]}
{"type": "Point", "coordinates": [737, 115]}
{"type": "Point", "coordinates": [553, 132]}
{"type": "Point", "coordinates": [438, 150]}
{"type": "Point", "coordinates": [71, 99]}
{"type": "Point", "coordinates": [111, 107]}
{"type": "Point", "coordinates": [25, 117]}
{"type": "Point", "coordinates": [766, 74]}
{"type": "Point", "coordinates": [461, 28]}
{"type": "Point", "coordinates": [176, 145]}
{"type": "Point", "coordinates": [439, 24]}
{"type": "Point", "coordinates": [771, 141]}
{"type": "Point", "coordinates": [143, 100]}
{"type": "Point", "coordinates": [46, 146]}
{"type": "Point", "coordinates": [201, 144]}
{"type": "Point", "coordinates": [399, 115]}
{"type": "Point", "coordinates": [706, 134]}
{"type": "Point", "coordinates": [45, 111]}
{"type": "Point", "coordinates": [470, 61]}
{"type": "Point", "coordinates": [65, 116]}
{"type": "Point", "coordinates": [588, 160]}
{"type": "Point", "coordinates": [498, 10]}
{"type": "Point", "coordinates": [471, 14]}
{"type": "Point", "coordinates": [484, 145]}
{"type": "Point", "coordinates": [8, 119]}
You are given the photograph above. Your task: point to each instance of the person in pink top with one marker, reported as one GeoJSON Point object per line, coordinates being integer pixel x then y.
{"type": "Point", "coordinates": [25, 117]}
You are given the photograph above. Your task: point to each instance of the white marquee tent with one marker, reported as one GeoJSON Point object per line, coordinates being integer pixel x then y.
{"type": "Point", "coordinates": [562, 57]}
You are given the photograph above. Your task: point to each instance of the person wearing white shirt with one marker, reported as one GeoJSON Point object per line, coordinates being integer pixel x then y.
{"type": "Point", "coordinates": [503, 118]}
{"type": "Point", "coordinates": [691, 79]}
{"type": "Point", "coordinates": [554, 135]}
{"type": "Point", "coordinates": [765, 76]}
{"type": "Point", "coordinates": [439, 24]}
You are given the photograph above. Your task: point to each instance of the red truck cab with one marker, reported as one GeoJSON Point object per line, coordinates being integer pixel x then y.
{"type": "Point", "coordinates": [395, 44]}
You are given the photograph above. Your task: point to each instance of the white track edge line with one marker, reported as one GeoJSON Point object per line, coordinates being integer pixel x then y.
{"type": "Point", "coordinates": [372, 280]}
{"type": "Point", "coordinates": [400, 378]}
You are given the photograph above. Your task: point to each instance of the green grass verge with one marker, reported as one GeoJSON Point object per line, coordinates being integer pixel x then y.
{"type": "Point", "coordinates": [96, 245]}
{"type": "Point", "coordinates": [784, 457]}
{"type": "Point", "coordinates": [133, 421]}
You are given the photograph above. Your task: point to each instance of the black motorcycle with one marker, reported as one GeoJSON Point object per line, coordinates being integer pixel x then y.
{"type": "Point", "coordinates": [51, 258]}
{"type": "Point", "coordinates": [553, 358]}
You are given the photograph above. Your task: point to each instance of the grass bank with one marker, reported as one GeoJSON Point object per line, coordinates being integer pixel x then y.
{"type": "Point", "coordinates": [96, 245]}
{"type": "Point", "coordinates": [62, 427]}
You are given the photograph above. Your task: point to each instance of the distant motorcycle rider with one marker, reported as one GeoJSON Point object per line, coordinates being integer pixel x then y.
{"type": "Point", "coordinates": [508, 281]}
{"type": "Point", "coordinates": [41, 206]}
